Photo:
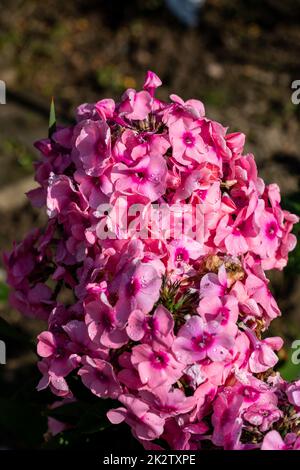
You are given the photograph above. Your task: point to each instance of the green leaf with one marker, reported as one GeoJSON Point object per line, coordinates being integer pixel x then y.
{"type": "Point", "coordinates": [4, 290]}
{"type": "Point", "coordinates": [52, 119]}
{"type": "Point", "coordinates": [64, 440]}
{"type": "Point", "coordinates": [69, 413]}
{"type": "Point", "coordinates": [95, 419]}
{"type": "Point", "coordinates": [89, 421]}
{"type": "Point", "coordinates": [88, 418]}
{"type": "Point", "coordinates": [9, 332]}
{"type": "Point", "coordinates": [289, 370]}
{"type": "Point", "coordinates": [25, 421]}
{"type": "Point", "coordinates": [292, 203]}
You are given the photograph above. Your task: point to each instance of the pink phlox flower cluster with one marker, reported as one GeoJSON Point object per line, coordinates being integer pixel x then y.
{"type": "Point", "coordinates": [171, 324]}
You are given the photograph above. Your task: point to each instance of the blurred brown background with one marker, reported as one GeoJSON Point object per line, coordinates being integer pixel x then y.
{"type": "Point", "coordinates": [240, 60]}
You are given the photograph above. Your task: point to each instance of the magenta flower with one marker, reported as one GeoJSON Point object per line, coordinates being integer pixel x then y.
{"type": "Point", "coordinates": [258, 290]}
{"type": "Point", "coordinates": [152, 81]}
{"type": "Point", "coordinates": [263, 357]}
{"type": "Point", "coordinates": [62, 197]}
{"type": "Point", "coordinates": [270, 234]}
{"type": "Point", "coordinates": [128, 374]}
{"type": "Point", "coordinates": [193, 107]}
{"type": "Point", "coordinates": [181, 109]}
{"type": "Point", "coordinates": [33, 302]}
{"type": "Point", "coordinates": [214, 284]}
{"type": "Point", "coordinates": [231, 410]}
{"type": "Point", "coordinates": [204, 183]}
{"type": "Point", "coordinates": [105, 108]}
{"type": "Point", "coordinates": [22, 260]}
{"type": "Point", "coordinates": [226, 420]}
{"type": "Point", "coordinates": [80, 341]}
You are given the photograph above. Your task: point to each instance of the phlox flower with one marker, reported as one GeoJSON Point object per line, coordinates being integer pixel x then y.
{"type": "Point", "coordinates": [258, 290]}
{"type": "Point", "coordinates": [224, 311]}
{"type": "Point", "coordinates": [99, 376]}
{"type": "Point", "coordinates": [150, 275]}
{"type": "Point", "coordinates": [187, 143]}
{"type": "Point", "coordinates": [144, 424]}
{"type": "Point", "coordinates": [156, 328]}
{"type": "Point", "coordinates": [182, 253]}
{"type": "Point", "coordinates": [273, 441]}
{"type": "Point", "coordinates": [156, 365]}
{"type": "Point", "coordinates": [55, 348]}
{"type": "Point", "coordinates": [135, 105]}
{"type": "Point", "coordinates": [270, 234]}
{"type": "Point", "coordinates": [139, 288]}
{"type": "Point", "coordinates": [105, 108]}
{"type": "Point", "coordinates": [62, 197]}
{"type": "Point", "coordinates": [169, 403]}
{"type": "Point", "coordinates": [262, 416]}
{"type": "Point", "coordinates": [57, 384]}
{"type": "Point", "coordinates": [79, 341]}
{"type": "Point", "coordinates": [197, 340]}
{"type": "Point", "coordinates": [293, 393]}
{"type": "Point", "coordinates": [262, 356]}
{"type": "Point", "coordinates": [214, 284]}
{"type": "Point", "coordinates": [152, 81]}
{"type": "Point", "coordinates": [103, 325]}
{"type": "Point", "coordinates": [147, 177]}
{"type": "Point", "coordinates": [93, 146]}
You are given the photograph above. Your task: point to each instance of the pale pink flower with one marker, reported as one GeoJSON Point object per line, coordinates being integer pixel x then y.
{"type": "Point", "coordinates": [139, 289]}
{"type": "Point", "coordinates": [188, 145]}
{"type": "Point", "coordinates": [99, 376]}
{"type": "Point", "coordinates": [273, 441]}
{"type": "Point", "coordinates": [54, 348]}
{"type": "Point", "coordinates": [135, 105]}
{"type": "Point", "coordinates": [293, 393]}
{"type": "Point", "coordinates": [93, 146]}
{"type": "Point", "coordinates": [145, 424]}
{"type": "Point", "coordinates": [104, 326]}
{"type": "Point", "coordinates": [156, 328]}
{"type": "Point", "coordinates": [156, 365]}
{"type": "Point", "coordinates": [262, 416]}
{"type": "Point", "coordinates": [197, 340]}
{"type": "Point", "coordinates": [214, 284]}
{"type": "Point", "coordinates": [182, 253]}
{"type": "Point", "coordinates": [224, 311]}
{"type": "Point", "coordinates": [169, 403]}
{"type": "Point", "coordinates": [146, 177]}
